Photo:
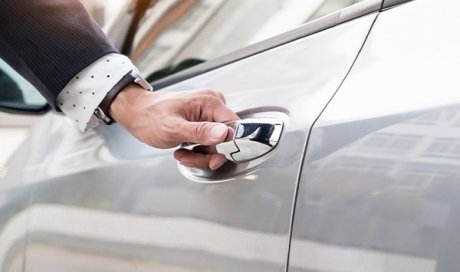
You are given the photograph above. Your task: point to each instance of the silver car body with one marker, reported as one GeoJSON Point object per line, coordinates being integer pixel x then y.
{"type": "Point", "coordinates": [379, 187]}
{"type": "Point", "coordinates": [361, 179]}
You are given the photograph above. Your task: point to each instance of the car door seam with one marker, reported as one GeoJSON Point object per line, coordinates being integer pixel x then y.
{"type": "Point", "coordinates": [302, 162]}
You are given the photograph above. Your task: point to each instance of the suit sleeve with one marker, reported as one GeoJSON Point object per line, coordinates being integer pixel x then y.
{"type": "Point", "coordinates": [49, 42]}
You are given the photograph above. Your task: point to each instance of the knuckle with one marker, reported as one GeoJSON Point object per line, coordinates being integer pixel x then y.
{"type": "Point", "coordinates": [210, 92]}
{"type": "Point", "coordinates": [220, 95]}
{"type": "Point", "coordinates": [200, 129]}
{"type": "Point", "coordinates": [213, 93]}
{"type": "Point", "coordinates": [168, 125]}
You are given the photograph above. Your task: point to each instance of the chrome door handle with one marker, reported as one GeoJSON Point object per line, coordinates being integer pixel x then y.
{"type": "Point", "coordinates": [252, 138]}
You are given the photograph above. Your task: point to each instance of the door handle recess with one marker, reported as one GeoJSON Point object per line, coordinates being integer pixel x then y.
{"type": "Point", "coordinates": [252, 138]}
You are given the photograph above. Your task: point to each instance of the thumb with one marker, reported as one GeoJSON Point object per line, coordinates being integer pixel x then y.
{"type": "Point", "coordinates": [204, 133]}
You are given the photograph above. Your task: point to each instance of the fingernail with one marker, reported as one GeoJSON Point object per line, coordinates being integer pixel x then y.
{"type": "Point", "coordinates": [218, 131]}
{"type": "Point", "coordinates": [178, 156]}
{"type": "Point", "coordinates": [214, 167]}
{"type": "Point", "coordinates": [217, 163]}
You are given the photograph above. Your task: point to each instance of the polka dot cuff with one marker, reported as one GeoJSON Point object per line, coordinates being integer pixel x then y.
{"type": "Point", "coordinates": [83, 94]}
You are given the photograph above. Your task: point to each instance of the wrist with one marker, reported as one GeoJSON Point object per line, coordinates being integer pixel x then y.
{"type": "Point", "coordinates": [103, 111]}
{"type": "Point", "coordinates": [125, 102]}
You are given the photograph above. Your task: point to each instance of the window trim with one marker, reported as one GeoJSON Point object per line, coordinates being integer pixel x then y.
{"type": "Point", "coordinates": [25, 109]}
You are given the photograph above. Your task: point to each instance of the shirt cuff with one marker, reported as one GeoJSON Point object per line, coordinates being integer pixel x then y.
{"type": "Point", "coordinates": [83, 94]}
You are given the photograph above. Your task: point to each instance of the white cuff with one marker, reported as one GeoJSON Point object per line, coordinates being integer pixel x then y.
{"type": "Point", "coordinates": [83, 94]}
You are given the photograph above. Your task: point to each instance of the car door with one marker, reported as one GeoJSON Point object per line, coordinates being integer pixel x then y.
{"type": "Point", "coordinates": [14, 199]}
{"type": "Point", "coordinates": [380, 184]}
{"type": "Point", "coordinates": [14, 192]}
{"type": "Point", "coordinates": [102, 201]}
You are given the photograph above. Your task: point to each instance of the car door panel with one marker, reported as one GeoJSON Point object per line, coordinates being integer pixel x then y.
{"type": "Point", "coordinates": [379, 188]}
{"type": "Point", "coordinates": [13, 226]}
{"type": "Point", "coordinates": [105, 201]}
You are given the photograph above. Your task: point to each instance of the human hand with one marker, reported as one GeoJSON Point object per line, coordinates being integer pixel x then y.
{"type": "Point", "coordinates": [165, 120]}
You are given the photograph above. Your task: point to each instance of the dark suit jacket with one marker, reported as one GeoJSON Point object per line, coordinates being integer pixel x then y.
{"type": "Point", "coordinates": [49, 41]}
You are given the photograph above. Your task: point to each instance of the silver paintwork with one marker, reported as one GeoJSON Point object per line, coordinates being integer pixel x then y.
{"type": "Point", "coordinates": [380, 185]}
{"type": "Point", "coordinates": [13, 223]}
{"type": "Point", "coordinates": [102, 200]}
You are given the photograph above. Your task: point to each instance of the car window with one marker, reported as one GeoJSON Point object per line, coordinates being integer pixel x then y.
{"type": "Point", "coordinates": [176, 31]}
{"type": "Point", "coordinates": [15, 89]}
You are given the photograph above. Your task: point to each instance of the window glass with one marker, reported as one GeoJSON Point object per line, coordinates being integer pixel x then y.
{"type": "Point", "coordinates": [174, 31]}
{"type": "Point", "coordinates": [15, 89]}
{"type": "Point", "coordinates": [102, 10]}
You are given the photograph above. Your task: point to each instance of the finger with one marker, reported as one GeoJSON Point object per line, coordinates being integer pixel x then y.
{"type": "Point", "coordinates": [216, 161]}
{"type": "Point", "coordinates": [214, 108]}
{"type": "Point", "coordinates": [204, 133]}
{"type": "Point", "coordinates": [224, 114]}
{"type": "Point", "coordinates": [215, 93]}
{"type": "Point", "coordinates": [221, 96]}
{"type": "Point", "coordinates": [198, 160]}
{"type": "Point", "coordinates": [205, 149]}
